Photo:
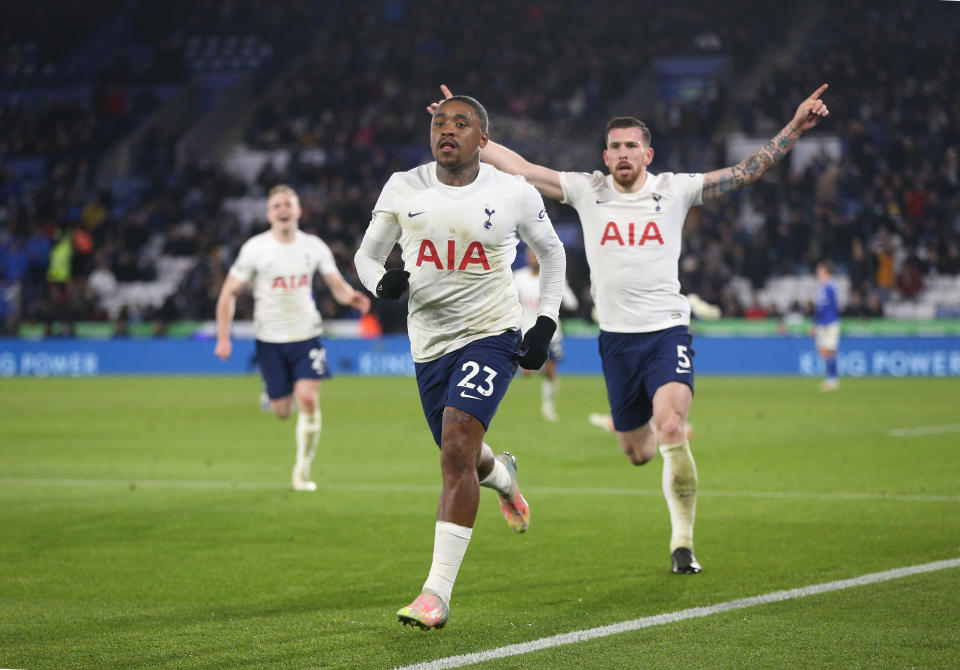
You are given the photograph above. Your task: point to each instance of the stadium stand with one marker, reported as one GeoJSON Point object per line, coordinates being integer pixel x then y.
{"type": "Point", "coordinates": [136, 147]}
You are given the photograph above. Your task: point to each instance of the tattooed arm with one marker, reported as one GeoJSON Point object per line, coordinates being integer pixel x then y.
{"type": "Point", "coordinates": [721, 182]}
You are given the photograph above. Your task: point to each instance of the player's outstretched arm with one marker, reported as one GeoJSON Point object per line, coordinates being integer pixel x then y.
{"type": "Point", "coordinates": [544, 179]}
{"type": "Point", "coordinates": [345, 294]}
{"type": "Point", "coordinates": [226, 308]}
{"type": "Point", "coordinates": [721, 182]}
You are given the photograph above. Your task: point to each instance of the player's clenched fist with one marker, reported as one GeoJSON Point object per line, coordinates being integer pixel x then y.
{"type": "Point", "coordinates": [536, 343]}
{"type": "Point", "coordinates": [392, 284]}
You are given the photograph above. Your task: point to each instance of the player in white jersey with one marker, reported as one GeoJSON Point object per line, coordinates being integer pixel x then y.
{"type": "Point", "coordinates": [458, 224]}
{"type": "Point", "coordinates": [631, 222]}
{"type": "Point", "coordinates": [527, 280]}
{"type": "Point", "coordinates": [280, 264]}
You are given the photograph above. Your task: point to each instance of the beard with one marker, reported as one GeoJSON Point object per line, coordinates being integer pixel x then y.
{"type": "Point", "coordinates": [626, 180]}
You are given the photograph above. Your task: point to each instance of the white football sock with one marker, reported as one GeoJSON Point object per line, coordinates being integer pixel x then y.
{"type": "Point", "coordinates": [449, 546]}
{"type": "Point", "coordinates": [499, 478]}
{"type": "Point", "coordinates": [680, 490]}
{"type": "Point", "coordinates": [547, 390]}
{"type": "Point", "coordinates": [308, 437]}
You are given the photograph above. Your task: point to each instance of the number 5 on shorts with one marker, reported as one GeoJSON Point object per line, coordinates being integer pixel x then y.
{"type": "Point", "coordinates": [684, 365]}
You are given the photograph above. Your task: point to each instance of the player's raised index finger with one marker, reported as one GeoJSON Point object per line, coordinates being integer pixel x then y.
{"type": "Point", "coordinates": [446, 91]}
{"type": "Point", "coordinates": [816, 94]}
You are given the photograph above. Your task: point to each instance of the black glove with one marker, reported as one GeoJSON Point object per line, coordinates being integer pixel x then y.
{"type": "Point", "coordinates": [392, 284]}
{"type": "Point", "coordinates": [536, 343]}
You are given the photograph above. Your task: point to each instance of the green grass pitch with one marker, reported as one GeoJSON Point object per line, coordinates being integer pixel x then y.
{"type": "Point", "coordinates": [148, 523]}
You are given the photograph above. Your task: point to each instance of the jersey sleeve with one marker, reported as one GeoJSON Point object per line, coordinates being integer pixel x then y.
{"type": "Point", "coordinates": [382, 233]}
{"type": "Point", "coordinates": [325, 260]}
{"type": "Point", "coordinates": [537, 231]}
{"type": "Point", "coordinates": [690, 188]}
{"type": "Point", "coordinates": [574, 185]}
{"type": "Point", "coordinates": [243, 267]}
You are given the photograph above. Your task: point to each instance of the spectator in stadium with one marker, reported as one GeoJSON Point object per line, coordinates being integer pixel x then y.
{"type": "Point", "coordinates": [527, 280]}
{"type": "Point", "coordinates": [826, 324]}
{"type": "Point", "coordinates": [280, 263]}
{"type": "Point", "coordinates": [458, 224]}
{"type": "Point", "coordinates": [644, 339]}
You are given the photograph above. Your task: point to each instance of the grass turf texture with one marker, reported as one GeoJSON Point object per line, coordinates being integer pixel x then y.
{"type": "Point", "coordinates": [111, 558]}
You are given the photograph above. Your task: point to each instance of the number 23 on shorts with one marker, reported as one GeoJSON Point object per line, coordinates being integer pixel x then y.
{"type": "Point", "coordinates": [472, 369]}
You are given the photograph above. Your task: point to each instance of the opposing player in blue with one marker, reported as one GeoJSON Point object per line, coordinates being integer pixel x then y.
{"type": "Point", "coordinates": [458, 223]}
{"type": "Point", "coordinates": [826, 324]}
{"type": "Point", "coordinates": [280, 264]}
{"type": "Point", "coordinates": [631, 222]}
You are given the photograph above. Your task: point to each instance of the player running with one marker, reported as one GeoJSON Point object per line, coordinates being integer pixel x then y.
{"type": "Point", "coordinates": [280, 264]}
{"type": "Point", "coordinates": [458, 224]}
{"type": "Point", "coordinates": [631, 222]}
{"type": "Point", "coordinates": [527, 280]}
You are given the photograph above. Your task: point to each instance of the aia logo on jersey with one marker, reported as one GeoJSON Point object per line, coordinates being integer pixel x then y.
{"type": "Point", "coordinates": [289, 283]}
{"type": "Point", "coordinates": [614, 235]}
{"type": "Point", "coordinates": [473, 254]}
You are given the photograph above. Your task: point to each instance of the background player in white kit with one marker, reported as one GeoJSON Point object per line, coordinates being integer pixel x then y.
{"type": "Point", "coordinates": [631, 222]}
{"type": "Point", "coordinates": [280, 263]}
{"type": "Point", "coordinates": [458, 224]}
{"type": "Point", "coordinates": [527, 280]}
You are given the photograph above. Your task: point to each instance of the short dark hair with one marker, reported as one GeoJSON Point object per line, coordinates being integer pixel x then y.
{"type": "Point", "coordinates": [477, 107]}
{"type": "Point", "coordinates": [628, 122]}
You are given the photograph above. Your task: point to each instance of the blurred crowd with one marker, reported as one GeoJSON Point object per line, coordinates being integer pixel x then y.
{"type": "Point", "coordinates": [888, 211]}
{"type": "Point", "coordinates": [351, 111]}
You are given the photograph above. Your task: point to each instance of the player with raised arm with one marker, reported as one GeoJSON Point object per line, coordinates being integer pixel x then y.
{"type": "Point", "coordinates": [631, 222]}
{"type": "Point", "coordinates": [527, 280]}
{"type": "Point", "coordinates": [458, 223]}
{"type": "Point", "coordinates": [280, 264]}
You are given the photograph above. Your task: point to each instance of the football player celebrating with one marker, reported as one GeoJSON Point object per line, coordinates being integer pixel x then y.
{"type": "Point", "coordinates": [280, 263]}
{"type": "Point", "coordinates": [458, 224]}
{"type": "Point", "coordinates": [631, 221]}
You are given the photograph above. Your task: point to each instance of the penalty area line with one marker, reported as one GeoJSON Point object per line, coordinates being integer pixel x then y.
{"type": "Point", "coordinates": [681, 615]}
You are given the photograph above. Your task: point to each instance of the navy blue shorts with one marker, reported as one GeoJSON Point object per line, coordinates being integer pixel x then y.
{"type": "Point", "coordinates": [473, 379]}
{"type": "Point", "coordinates": [556, 350]}
{"type": "Point", "coordinates": [283, 363]}
{"type": "Point", "coordinates": [635, 365]}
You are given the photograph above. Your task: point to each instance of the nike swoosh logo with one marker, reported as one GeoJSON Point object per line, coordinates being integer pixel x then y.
{"type": "Point", "coordinates": [413, 214]}
{"type": "Point", "coordinates": [682, 372]}
{"type": "Point", "coordinates": [600, 202]}
{"type": "Point", "coordinates": [542, 214]}
{"type": "Point", "coordinates": [464, 394]}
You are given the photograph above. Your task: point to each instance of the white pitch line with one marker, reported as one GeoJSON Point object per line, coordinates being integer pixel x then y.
{"type": "Point", "coordinates": [924, 430]}
{"type": "Point", "coordinates": [413, 488]}
{"type": "Point", "coordinates": [144, 483]}
{"type": "Point", "coordinates": [681, 615]}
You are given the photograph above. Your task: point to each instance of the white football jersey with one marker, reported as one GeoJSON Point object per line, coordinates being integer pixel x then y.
{"type": "Point", "coordinates": [282, 280]}
{"type": "Point", "coordinates": [528, 289]}
{"type": "Point", "coordinates": [632, 241]}
{"type": "Point", "coordinates": [458, 244]}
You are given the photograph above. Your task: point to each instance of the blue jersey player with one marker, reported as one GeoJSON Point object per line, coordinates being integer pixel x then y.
{"type": "Point", "coordinates": [826, 324]}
